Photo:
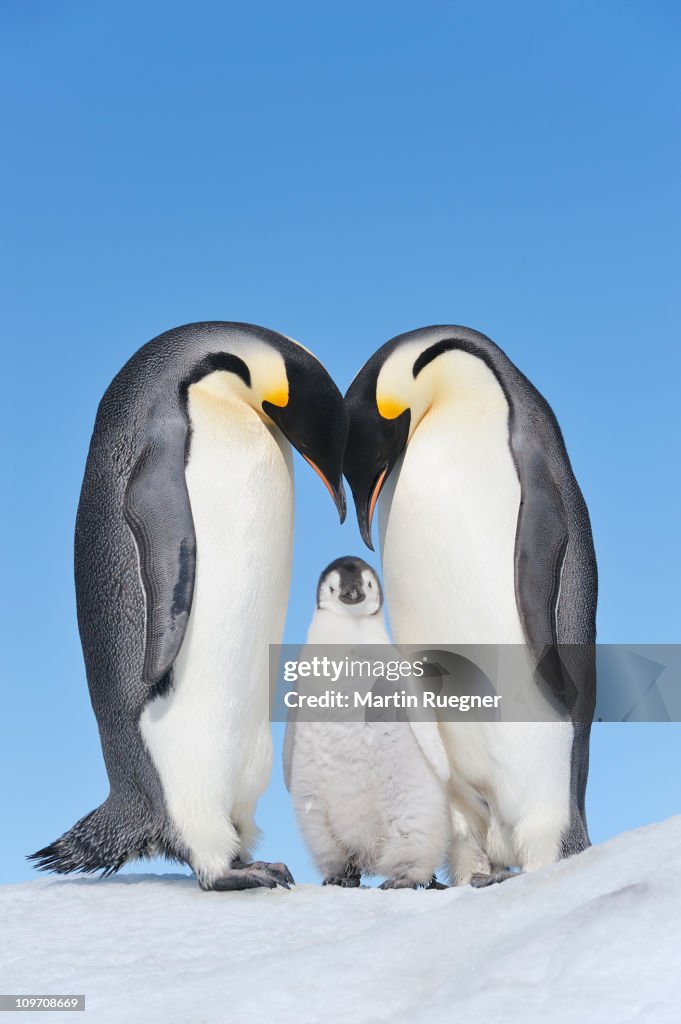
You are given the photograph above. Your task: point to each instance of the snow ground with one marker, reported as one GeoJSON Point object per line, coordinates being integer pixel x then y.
{"type": "Point", "coordinates": [593, 939]}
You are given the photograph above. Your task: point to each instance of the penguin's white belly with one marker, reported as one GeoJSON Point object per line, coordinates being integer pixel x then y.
{"type": "Point", "coordinates": [448, 523]}
{"type": "Point", "coordinates": [448, 519]}
{"type": "Point", "coordinates": [334, 789]}
{"type": "Point", "coordinates": [209, 736]}
{"type": "Point", "coordinates": [333, 781]}
{"type": "Point", "coordinates": [365, 795]}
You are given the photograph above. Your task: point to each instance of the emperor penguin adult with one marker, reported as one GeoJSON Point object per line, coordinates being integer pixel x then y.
{"type": "Point", "coordinates": [486, 540]}
{"type": "Point", "coordinates": [182, 563]}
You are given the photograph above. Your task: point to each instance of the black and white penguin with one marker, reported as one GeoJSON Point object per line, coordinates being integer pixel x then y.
{"type": "Point", "coordinates": [485, 539]}
{"type": "Point", "coordinates": [370, 796]}
{"type": "Point", "coordinates": [183, 559]}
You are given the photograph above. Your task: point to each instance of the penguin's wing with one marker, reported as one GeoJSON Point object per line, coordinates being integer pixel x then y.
{"type": "Point", "coordinates": [540, 546]}
{"type": "Point", "coordinates": [158, 512]}
{"type": "Point", "coordinates": [428, 737]}
{"type": "Point", "coordinates": [424, 725]}
{"type": "Point", "coordinates": [289, 744]}
{"type": "Point", "coordinates": [542, 552]}
{"type": "Point", "coordinates": [426, 731]}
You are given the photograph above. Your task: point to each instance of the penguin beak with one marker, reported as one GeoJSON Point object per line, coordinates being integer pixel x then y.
{"type": "Point", "coordinates": [315, 421]}
{"type": "Point", "coordinates": [374, 446]}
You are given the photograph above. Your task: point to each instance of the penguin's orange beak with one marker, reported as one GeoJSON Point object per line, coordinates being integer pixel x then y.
{"type": "Point", "coordinates": [378, 486]}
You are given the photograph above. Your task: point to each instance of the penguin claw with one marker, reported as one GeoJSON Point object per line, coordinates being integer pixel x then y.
{"type": "Point", "coordinates": [344, 881]}
{"type": "Point", "coordinates": [398, 883]}
{"type": "Point", "coordinates": [403, 883]}
{"type": "Point", "coordinates": [236, 879]}
{"type": "Point", "coordinates": [482, 881]}
{"type": "Point", "coordinates": [277, 871]}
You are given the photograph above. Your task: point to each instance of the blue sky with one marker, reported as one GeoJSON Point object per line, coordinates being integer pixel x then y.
{"type": "Point", "coordinates": [341, 173]}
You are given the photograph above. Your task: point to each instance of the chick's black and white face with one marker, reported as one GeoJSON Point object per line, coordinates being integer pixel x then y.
{"type": "Point", "coordinates": [349, 586]}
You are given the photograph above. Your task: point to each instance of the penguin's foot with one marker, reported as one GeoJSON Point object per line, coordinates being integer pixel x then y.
{"type": "Point", "coordinates": [406, 883]}
{"type": "Point", "coordinates": [251, 876]}
{"type": "Point", "coordinates": [235, 879]}
{"type": "Point", "coordinates": [344, 881]}
{"type": "Point", "coordinates": [482, 881]}
{"type": "Point", "coordinates": [275, 870]}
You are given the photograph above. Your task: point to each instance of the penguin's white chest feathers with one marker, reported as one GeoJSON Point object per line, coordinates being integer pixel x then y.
{"type": "Point", "coordinates": [210, 736]}
{"type": "Point", "coordinates": [329, 628]}
{"type": "Point", "coordinates": [448, 519]}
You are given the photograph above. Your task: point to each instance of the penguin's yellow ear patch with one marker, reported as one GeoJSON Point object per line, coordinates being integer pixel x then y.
{"type": "Point", "coordinates": [389, 408]}
{"type": "Point", "coordinates": [278, 396]}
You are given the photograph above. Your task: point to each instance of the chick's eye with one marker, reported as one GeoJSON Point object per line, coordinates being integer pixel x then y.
{"type": "Point", "coordinates": [332, 590]}
{"type": "Point", "coordinates": [370, 584]}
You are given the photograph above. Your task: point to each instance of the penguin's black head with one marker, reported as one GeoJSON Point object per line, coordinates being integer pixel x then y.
{"type": "Point", "coordinates": [349, 586]}
{"type": "Point", "coordinates": [390, 397]}
{"type": "Point", "coordinates": [283, 382]}
{"type": "Point", "coordinates": [376, 439]}
{"type": "Point", "coordinates": [309, 410]}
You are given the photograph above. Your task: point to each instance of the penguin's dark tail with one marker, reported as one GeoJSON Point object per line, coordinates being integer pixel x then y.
{"type": "Point", "coordinates": [101, 841]}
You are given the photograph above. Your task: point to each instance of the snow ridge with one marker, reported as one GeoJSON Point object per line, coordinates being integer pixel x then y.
{"type": "Point", "coordinates": [595, 938]}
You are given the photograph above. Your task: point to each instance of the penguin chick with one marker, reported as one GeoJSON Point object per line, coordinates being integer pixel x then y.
{"type": "Point", "coordinates": [349, 605]}
{"type": "Point", "coordinates": [367, 794]}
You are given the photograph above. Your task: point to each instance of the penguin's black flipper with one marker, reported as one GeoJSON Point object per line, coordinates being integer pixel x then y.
{"type": "Point", "coordinates": [287, 752]}
{"type": "Point", "coordinates": [541, 542]}
{"type": "Point", "coordinates": [158, 511]}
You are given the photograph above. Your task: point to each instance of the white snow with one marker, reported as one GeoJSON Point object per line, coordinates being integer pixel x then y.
{"type": "Point", "coordinates": [593, 939]}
